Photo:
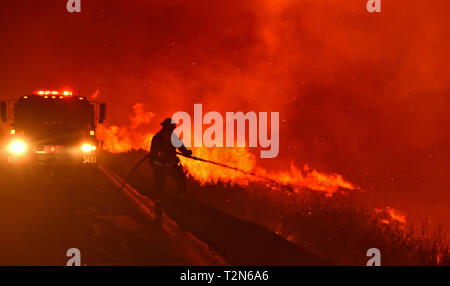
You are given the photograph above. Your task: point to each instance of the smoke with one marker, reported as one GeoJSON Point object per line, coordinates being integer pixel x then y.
{"type": "Point", "coordinates": [140, 116]}
{"type": "Point", "coordinates": [364, 95]}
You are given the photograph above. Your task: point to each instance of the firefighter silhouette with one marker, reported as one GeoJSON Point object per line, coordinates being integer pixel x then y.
{"type": "Point", "coordinates": [164, 161]}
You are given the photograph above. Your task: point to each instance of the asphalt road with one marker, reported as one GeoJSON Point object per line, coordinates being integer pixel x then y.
{"type": "Point", "coordinates": [45, 212]}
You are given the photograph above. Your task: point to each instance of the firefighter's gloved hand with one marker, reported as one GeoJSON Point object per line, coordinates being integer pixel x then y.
{"type": "Point", "coordinates": [188, 153]}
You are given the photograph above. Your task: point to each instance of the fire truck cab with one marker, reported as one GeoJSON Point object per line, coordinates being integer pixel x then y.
{"type": "Point", "coordinates": [52, 127]}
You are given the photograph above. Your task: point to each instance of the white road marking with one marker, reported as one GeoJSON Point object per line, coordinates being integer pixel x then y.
{"type": "Point", "coordinates": [197, 249]}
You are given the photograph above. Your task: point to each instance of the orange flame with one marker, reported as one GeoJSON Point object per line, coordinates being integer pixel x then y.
{"type": "Point", "coordinates": [390, 214]}
{"type": "Point", "coordinates": [207, 173]}
{"type": "Point", "coordinates": [121, 139]}
{"type": "Point", "coordinates": [396, 215]}
{"type": "Point", "coordinates": [309, 178]}
{"type": "Point", "coordinates": [140, 116]}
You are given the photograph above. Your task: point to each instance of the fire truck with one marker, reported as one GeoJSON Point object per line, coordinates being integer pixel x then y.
{"type": "Point", "coordinates": [52, 127]}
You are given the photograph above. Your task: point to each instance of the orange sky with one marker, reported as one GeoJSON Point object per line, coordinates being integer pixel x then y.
{"type": "Point", "coordinates": [365, 95]}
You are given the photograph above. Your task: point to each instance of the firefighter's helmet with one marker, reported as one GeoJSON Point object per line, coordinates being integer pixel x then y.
{"type": "Point", "coordinates": [168, 122]}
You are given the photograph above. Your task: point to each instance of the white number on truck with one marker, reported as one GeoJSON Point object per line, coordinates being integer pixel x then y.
{"type": "Point", "coordinates": [89, 160]}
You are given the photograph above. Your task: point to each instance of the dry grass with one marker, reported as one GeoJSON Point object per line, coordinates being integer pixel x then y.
{"type": "Point", "coordinates": [340, 228]}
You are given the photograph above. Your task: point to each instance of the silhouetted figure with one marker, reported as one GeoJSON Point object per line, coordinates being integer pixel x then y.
{"type": "Point", "coordinates": [164, 161]}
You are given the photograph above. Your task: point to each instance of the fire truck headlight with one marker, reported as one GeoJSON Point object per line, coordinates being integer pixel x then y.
{"type": "Point", "coordinates": [88, 148]}
{"type": "Point", "coordinates": [18, 147]}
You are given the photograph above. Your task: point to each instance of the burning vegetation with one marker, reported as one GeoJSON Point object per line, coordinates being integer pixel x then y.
{"type": "Point", "coordinates": [322, 212]}
{"type": "Point", "coordinates": [339, 227]}
{"type": "Point", "coordinates": [123, 139]}
{"type": "Point", "coordinates": [362, 101]}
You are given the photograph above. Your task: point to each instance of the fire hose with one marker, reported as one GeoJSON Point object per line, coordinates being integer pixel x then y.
{"type": "Point", "coordinates": [205, 161]}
